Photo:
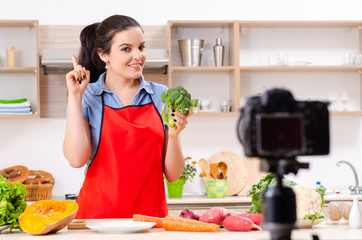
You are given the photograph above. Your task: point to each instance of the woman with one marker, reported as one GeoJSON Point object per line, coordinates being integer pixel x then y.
{"type": "Point", "coordinates": [114, 125]}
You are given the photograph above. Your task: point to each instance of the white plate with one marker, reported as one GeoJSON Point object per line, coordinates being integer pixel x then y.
{"type": "Point", "coordinates": [120, 226]}
{"type": "Point", "coordinates": [307, 223]}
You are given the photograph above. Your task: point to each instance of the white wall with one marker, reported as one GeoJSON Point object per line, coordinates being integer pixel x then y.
{"type": "Point", "coordinates": [37, 143]}
{"type": "Point", "coordinates": [157, 12]}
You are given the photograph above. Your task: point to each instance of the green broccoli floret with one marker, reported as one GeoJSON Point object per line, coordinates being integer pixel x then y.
{"type": "Point", "coordinates": [178, 99]}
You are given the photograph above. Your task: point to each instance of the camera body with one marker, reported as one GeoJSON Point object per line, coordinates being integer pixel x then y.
{"type": "Point", "coordinates": [276, 126]}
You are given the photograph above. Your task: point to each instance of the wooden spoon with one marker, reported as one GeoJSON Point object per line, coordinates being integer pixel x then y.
{"type": "Point", "coordinates": [205, 167]}
{"type": "Point", "coordinates": [214, 169]}
{"type": "Point", "coordinates": [223, 167]}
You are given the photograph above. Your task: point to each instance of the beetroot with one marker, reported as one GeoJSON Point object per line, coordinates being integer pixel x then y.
{"type": "Point", "coordinates": [214, 215]}
{"type": "Point", "coordinates": [257, 218]}
{"type": "Point", "coordinates": [238, 223]}
{"type": "Point", "coordinates": [189, 214]}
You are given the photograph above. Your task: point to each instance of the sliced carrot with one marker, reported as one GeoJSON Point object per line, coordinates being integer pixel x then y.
{"type": "Point", "coordinates": [144, 218]}
{"type": "Point", "coordinates": [173, 223]}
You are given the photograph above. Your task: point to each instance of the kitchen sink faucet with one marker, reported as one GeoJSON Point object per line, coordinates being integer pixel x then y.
{"type": "Point", "coordinates": [354, 189]}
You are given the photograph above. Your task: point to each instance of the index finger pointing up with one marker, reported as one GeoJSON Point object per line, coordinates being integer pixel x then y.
{"type": "Point", "coordinates": [74, 60]}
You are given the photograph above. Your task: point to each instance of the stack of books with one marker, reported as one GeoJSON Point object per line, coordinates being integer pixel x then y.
{"type": "Point", "coordinates": [17, 106]}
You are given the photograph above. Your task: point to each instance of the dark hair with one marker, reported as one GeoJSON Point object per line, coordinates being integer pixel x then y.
{"type": "Point", "coordinates": [98, 37]}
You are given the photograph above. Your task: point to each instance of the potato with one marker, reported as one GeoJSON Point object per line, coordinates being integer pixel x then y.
{"type": "Point", "coordinates": [334, 211]}
{"type": "Point", "coordinates": [346, 208]}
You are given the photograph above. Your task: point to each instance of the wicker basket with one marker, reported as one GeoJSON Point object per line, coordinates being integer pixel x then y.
{"type": "Point", "coordinates": [39, 191]}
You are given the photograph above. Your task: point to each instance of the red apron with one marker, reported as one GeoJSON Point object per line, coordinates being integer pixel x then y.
{"type": "Point", "coordinates": [126, 176]}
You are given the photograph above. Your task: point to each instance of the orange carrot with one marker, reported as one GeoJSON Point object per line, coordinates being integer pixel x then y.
{"type": "Point", "coordinates": [144, 218]}
{"type": "Point", "coordinates": [173, 223]}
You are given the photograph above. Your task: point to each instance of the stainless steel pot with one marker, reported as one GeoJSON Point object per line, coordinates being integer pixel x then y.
{"type": "Point", "coordinates": [191, 51]}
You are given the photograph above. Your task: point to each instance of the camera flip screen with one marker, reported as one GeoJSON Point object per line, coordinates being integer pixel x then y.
{"type": "Point", "coordinates": [280, 134]}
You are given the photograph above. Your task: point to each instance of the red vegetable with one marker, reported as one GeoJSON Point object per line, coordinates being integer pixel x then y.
{"type": "Point", "coordinates": [257, 218]}
{"type": "Point", "coordinates": [238, 223]}
{"type": "Point", "coordinates": [189, 214]}
{"type": "Point", "coordinates": [214, 215]}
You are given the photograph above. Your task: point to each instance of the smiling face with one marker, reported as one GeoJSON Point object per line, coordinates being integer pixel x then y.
{"type": "Point", "coordinates": [127, 56]}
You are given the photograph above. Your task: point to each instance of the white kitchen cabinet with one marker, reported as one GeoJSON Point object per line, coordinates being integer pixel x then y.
{"type": "Point", "coordinates": [22, 80]}
{"type": "Point", "coordinates": [316, 60]}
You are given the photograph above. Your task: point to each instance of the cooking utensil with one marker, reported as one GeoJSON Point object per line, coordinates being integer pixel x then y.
{"type": "Point", "coordinates": [205, 167]}
{"type": "Point", "coordinates": [222, 166]}
{"type": "Point", "coordinates": [214, 170]}
{"type": "Point", "coordinates": [220, 175]}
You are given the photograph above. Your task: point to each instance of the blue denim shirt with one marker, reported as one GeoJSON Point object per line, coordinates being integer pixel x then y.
{"type": "Point", "coordinates": [92, 104]}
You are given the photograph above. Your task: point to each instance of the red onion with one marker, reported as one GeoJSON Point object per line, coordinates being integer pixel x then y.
{"type": "Point", "coordinates": [189, 214]}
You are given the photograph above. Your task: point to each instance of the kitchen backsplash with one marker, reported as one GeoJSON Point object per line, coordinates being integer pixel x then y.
{"type": "Point", "coordinates": [37, 144]}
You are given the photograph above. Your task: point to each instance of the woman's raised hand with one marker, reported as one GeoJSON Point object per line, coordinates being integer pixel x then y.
{"type": "Point", "coordinates": [77, 79]}
{"type": "Point", "coordinates": [180, 122]}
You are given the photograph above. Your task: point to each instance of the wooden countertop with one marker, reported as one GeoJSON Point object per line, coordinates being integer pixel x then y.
{"type": "Point", "coordinates": [324, 231]}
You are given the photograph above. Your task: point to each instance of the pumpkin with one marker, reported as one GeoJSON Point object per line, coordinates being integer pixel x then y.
{"type": "Point", "coordinates": [47, 216]}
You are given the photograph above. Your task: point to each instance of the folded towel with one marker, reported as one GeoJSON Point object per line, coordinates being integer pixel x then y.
{"type": "Point", "coordinates": [13, 105]}
{"type": "Point", "coordinates": [13, 101]}
{"type": "Point", "coordinates": [15, 110]}
{"type": "Point", "coordinates": [18, 108]}
{"type": "Point", "coordinates": [18, 112]}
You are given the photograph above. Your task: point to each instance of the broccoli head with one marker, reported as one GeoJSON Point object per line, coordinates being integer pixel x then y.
{"type": "Point", "coordinates": [178, 99]}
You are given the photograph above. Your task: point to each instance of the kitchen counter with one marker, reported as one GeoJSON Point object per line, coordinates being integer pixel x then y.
{"type": "Point", "coordinates": [203, 199]}
{"type": "Point", "coordinates": [324, 231]}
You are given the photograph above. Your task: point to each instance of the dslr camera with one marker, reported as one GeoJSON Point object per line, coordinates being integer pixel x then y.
{"type": "Point", "coordinates": [275, 126]}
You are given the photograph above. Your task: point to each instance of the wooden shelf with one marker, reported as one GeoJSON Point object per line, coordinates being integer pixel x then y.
{"type": "Point", "coordinates": [300, 24]}
{"type": "Point", "coordinates": [201, 69]}
{"type": "Point", "coordinates": [24, 35]}
{"type": "Point", "coordinates": [201, 24]}
{"type": "Point", "coordinates": [215, 114]}
{"type": "Point", "coordinates": [19, 115]}
{"type": "Point", "coordinates": [301, 68]}
{"type": "Point", "coordinates": [18, 23]}
{"type": "Point", "coordinates": [18, 70]}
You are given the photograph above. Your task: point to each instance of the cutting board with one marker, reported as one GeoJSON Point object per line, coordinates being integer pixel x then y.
{"type": "Point", "coordinates": [237, 173]}
{"type": "Point", "coordinates": [254, 174]}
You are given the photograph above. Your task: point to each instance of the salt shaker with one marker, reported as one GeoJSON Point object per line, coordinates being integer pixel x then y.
{"type": "Point", "coordinates": [355, 214]}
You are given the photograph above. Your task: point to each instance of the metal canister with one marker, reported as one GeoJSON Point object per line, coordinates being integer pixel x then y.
{"type": "Point", "coordinates": [191, 51]}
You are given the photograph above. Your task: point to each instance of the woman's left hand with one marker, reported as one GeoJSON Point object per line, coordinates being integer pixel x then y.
{"type": "Point", "coordinates": [180, 122]}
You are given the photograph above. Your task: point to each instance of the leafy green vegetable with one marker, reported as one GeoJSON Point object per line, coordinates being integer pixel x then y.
{"type": "Point", "coordinates": [257, 190]}
{"type": "Point", "coordinates": [313, 217]}
{"type": "Point", "coordinates": [178, 99]}
{"type": "Point", "coordinates": [322, 191]}
{"type": "Point", "coordinates": [12, 202]}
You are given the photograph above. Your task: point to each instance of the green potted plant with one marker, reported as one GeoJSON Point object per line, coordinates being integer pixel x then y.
{"type": "Point", "coordinates": [175, 189]}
